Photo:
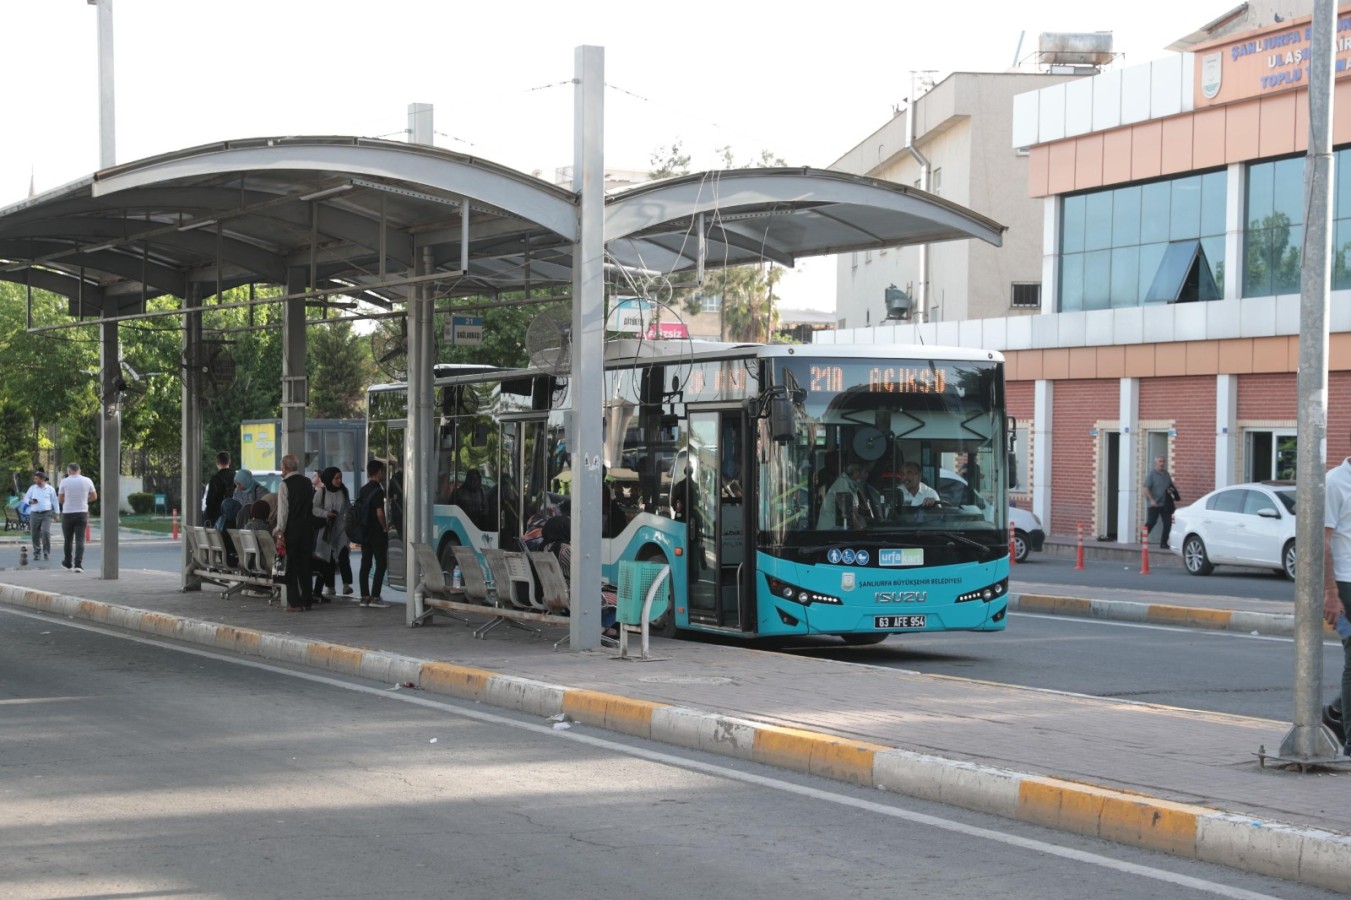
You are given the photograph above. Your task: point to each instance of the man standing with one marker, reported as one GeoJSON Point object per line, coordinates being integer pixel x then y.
{"type": "Point", "coordinates": [41, 502]}
{"type": "Point", "coordinates": [370, 504]}
{"type": "Point", "coordinates": [75, 495]}
{"type": "Point", "coordinates": [1337, 573]}
{"type": "Point", "coordinates": [1160, 493]}
{"type": "Point", "coordinates": [295, 526]}
{"type": "Point", "coordinates": [221, 485]}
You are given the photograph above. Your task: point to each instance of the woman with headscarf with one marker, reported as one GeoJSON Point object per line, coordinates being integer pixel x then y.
{"type": "Point", "coordinates": [330, 541]}
{"type": "Point", "coordinates": [247, 492]}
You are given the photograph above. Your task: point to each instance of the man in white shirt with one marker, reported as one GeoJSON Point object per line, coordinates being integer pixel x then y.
{"type": "Point", "coordinates": [1337, 574]}
{"type": "Point", "coordinates": [41, 502]}
{"type": "Point", "coordinates": [913, 491]}
{"type": "Point", "coordinates": [75, 495]}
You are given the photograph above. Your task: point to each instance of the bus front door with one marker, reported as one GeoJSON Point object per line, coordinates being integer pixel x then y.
{"type": "Point", "coordinates": [718, 562]}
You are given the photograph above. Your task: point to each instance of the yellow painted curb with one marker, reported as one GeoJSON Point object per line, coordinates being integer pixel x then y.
{"type": "Point", "coordinates": [815, 753]}
{"type": "Point", "coordinates": [246, 640]}
{"type": "Point", "coordinates": [337, 657]}
{"type": "Point", "coordinates": [160, 623]}
{"type": "Point", "coordinates": [457, 681]}
{"type": "Point", "coordinates": [1045, 603]}
{"type": "Point", "coordinates": [1111, 815]}
{"type": "Point", "coordinates": [1184, 615]}
{"type": "Point", "coordinates": [611, 711]}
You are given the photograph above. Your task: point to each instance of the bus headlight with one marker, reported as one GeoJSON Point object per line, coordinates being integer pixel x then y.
{"type": "Point", "coordinates": [785, 591]}
{"type": "Point", "coordinates": [987, 593]}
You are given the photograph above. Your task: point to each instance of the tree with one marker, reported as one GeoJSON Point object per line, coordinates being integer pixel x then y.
{"type": "Point", "coordinates": [749, 311]}
{"type": "Point", "coordinates": [339, 371]}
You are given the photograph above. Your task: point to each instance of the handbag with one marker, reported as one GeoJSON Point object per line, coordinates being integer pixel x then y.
{"type": "Point", "coordinates": [1173, 494]}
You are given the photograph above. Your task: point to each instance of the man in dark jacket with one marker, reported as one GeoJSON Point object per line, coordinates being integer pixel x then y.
{"type": "Point", "coordinates": [221, 485]}
{"type": "Point", "coordinates": [295, 526]}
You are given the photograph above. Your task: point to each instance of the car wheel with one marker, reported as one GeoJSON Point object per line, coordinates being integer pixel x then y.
{"type": "Point", "coordinates": [863, 640]}
{"type": "Point", "coordinates": [1194, 556]}
{"type": "Point", "coordinates": [1021, 548]}
{"type": "Point", "coordinates": [1288, 560]}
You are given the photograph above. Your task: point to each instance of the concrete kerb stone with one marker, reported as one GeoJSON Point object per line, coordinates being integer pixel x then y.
{"type": "Point", "coordinates": [1155, 613]}
{"type": "Point", "coordinates": [1307, 856]}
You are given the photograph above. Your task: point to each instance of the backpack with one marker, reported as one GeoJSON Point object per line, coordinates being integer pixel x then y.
{"type": "Point", "coordinates": [355, 523]}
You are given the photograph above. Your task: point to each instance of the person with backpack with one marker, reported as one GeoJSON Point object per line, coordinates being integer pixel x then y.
{"type": "Point", "coordinates": [369, 528]}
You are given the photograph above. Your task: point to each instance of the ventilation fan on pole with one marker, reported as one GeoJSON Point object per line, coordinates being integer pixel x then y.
{"type": "Point", "coordinates": [548, 341]}
{"type": "Point", "coordinates": [389, 347]}
{"type": "Point", "coordinates": [129, 386]}
{"type": "Point", "coordinates": [213, 363]}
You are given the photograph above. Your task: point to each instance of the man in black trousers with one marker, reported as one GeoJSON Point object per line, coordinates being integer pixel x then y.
{"type": "Point", "coordinates": [295, 526]}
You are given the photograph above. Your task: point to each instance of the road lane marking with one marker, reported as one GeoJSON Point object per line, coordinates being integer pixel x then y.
{"type": "Point", "coordinates": [711, 769]}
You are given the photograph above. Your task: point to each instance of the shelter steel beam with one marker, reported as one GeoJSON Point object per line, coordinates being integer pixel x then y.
{"type": "Point", "coordinates": [110, 448]}
{"type": "Point", "coordinates": [588, 344]}
{"type": "Point", "coordinates": [191, 421]}
{"type": "Point", "coordinates": [419, 454]}
{"type": "Point", "coordinates": [294, 385]}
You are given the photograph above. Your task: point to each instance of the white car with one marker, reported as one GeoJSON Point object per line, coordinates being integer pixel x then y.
{"type": "Point", "coordinates": [1249, 524]}
{"type": "Point", "coordinates": [1024, 526]}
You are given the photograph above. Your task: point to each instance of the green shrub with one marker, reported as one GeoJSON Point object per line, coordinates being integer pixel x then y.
{"type": "Point", "coordinates": [142, 504]}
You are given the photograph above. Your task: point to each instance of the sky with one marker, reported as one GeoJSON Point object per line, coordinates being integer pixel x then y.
{"type": "Point", "coordinates": [804, 82]}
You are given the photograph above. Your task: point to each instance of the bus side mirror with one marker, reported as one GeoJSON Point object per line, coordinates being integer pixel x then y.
{"type": "Point", "coordinates": [781, 419]}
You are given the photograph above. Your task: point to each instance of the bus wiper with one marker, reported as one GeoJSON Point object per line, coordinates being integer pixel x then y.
{"type": "Point", "coordinates": [954, 536]}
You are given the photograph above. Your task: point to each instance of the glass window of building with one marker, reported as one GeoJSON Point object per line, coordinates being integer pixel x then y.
{"type": "Point", "coordinates": [1114, 241]}
{"type": "Point", "coordinates": [1273, 243]}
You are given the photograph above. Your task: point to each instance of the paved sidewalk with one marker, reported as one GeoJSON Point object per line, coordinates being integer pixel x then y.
{"type": "Point", "coordinates": [1183, 781]}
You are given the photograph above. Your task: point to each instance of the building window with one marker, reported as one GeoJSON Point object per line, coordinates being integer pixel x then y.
{"type": "Point", "coordinates": [1020, 471]}
{"type": "Point", "coordinates": [1273, 242]}
{"type": "Point", "coordinates": [710, 303]}
{"type": "Point", "coordinates": [1270, 454]}
{"type": "Point", "coordinates": [1026, 295]}
{"type": "Point", "coordinates": [1114, 244]}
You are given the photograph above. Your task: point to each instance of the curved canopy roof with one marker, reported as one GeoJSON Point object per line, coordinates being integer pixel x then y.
{"type": "Point", "coordinates": [370, 218]}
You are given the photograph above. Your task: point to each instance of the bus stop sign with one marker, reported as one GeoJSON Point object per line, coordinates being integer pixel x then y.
{"type": "Point", "coordinates": [465, 331]}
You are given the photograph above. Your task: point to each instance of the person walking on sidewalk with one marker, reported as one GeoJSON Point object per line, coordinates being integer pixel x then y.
{"type": "Point", "coordinates": [1162, 496]}
{"type": "Point", "coordinates": [75, 495]}
{"type": "Point", "coordinates": [41, 502]}
{"type": "Point", "coordinates": [295, 530]}
{"type": "Point", "coordinates": [1337, 577]}
{"type": "Point", "coordinates": [373, 534]}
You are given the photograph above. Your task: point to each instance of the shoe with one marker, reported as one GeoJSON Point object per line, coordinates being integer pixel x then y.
{"type": "Point", "coordinates": [65, 565]}
{"type": "Point", "coordinates": [296, 608]}
{"type": "Point", "coordinates": [377, 603]}
{"type": "Point", "coordinates": [78, 569]}
{"type": "Point", "coordinates": [365, 601]}
{"type": "Point", "coordinates": [347, 589]}
{"type": "Point", "coordinates": [323, 598]}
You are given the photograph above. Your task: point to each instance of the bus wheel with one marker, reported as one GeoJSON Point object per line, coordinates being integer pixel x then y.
{"type": "Point", "coordinates": [447, 556]}
{"type": "Point", "coordinates": [863, 640]}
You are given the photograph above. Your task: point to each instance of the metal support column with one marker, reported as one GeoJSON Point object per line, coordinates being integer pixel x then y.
{"type": "Point", "coordinates": [294, 383]}
{"type": "Point", "coordinates": [191, 438]}
{"type": "Point", "coordinates": [110, 448]}
{"type": "Point", "coordinates": [419, 456]}
{"type": "Point", "coordinates": [588, 344]}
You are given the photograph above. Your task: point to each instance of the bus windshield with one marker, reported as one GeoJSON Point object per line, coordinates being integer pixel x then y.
{"type": "Point", "coordinates": [897, 450]}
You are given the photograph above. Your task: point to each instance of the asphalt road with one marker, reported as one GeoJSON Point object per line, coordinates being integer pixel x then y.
{"type": "Point", "coordinates": [1226, 581]}
{"type": "Point", "coordinates": [135, 770]}
{"type": "Point", "coordinates": [1195, 669]}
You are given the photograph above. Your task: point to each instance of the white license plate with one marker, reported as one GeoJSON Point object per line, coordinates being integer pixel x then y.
{"type": "Point", "coordinates": [898, 621]}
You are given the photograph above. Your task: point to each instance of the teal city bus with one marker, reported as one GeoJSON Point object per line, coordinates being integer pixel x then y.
{"type": "Point", "coordinates": [857, 491]}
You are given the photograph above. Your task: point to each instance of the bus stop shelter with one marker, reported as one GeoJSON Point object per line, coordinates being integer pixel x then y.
{"type": "Point", "coordinates": [402, 227]}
